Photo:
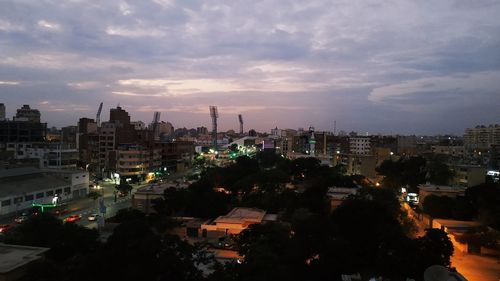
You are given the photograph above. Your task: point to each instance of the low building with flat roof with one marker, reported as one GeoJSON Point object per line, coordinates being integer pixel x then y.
{"type": "Point", "coordinates": [237, 220]}
{"type": "Point", "coordinates": [21, 187]}
{"type": "Point", "coordinates": [337, 195]}
{"type": "Point", "coordinates": [439, 190]}
{"type": "Point", "coordinates": [14, 260]}
{"type": "Point", "coordinates": [455, 225]}
{"type": "Point", "coordinates": [143, 197]}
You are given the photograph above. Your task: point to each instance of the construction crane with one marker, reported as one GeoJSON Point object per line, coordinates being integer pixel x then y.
{"type": "Point", "coordinates": [214, 114]}
{"type": "Point", "coordinates": [240, 118]}
{"type": "Point", "coordinates": [98, 116]}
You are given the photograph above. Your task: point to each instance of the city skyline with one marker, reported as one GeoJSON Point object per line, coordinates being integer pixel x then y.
{"type": "Point", "coordinates": [407, 68]}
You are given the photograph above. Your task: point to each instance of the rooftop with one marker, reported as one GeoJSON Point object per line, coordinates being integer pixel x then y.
{"type": "Point", "coordinates": [239, 215]}
{"type": "Point", "coordinates": [441, 188]}
{"type": "Point", "coordinates": [458, 224]}
{"type": "Point", "coordinates": [23, 181]}
{"type": "Point", "coordinates": [14, 256]}
{"type": "Point", "coordinates": [159, 188]}
{"type": "Point", "coordinates": [15, 172]}
{"type": "Point", "coordinates": [4, 173]}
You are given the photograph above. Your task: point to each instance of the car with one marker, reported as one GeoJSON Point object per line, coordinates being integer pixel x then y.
{"type": "Point", "coordinates": [73, 218]}
{"type": "Point", "coordinates": [93, 217]}
{"type": "Point", "coordinates": [122, 194]}
{"type": "Point", "coordinates": [5, 227]}
{"type": "Point", "coordinates": [21, 219]}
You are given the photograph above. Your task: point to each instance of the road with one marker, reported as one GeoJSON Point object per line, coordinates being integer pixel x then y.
{"type": "Point", "coordinates": [476, 268]}
{"type": "Point", "coordinates": [87, 206]}
{"type": "Point", "coordinates": [472, 267]}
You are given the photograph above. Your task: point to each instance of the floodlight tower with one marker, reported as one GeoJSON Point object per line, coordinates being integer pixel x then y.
{"type": "Point", "coordinates": [214, 114]}
{"type": "Point", "coordinates": [98, 116]}
{"type": "Point", "coordinates": [156, 127]}
{"type": "Point", "coordinates": [241, 123]}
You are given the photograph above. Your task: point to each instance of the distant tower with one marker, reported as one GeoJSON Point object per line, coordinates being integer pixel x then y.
{"type": "Point", "coordinates": [214, 114]}
{"type": "Point", "coordinates": [312, 142]}
{"type": "Point", "coordinates": [241, 123]}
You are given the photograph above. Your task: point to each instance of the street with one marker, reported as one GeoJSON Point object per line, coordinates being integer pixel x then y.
{"type": "Point", "coordinates": [475, 267]}
{"type": "Point", "coordinates": [87, 206]}
{"type": "Point", "coordinates": [472, 267]}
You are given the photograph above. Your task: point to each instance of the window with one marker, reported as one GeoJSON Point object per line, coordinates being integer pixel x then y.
{"type": "Point", "coordinates": [28, 197]}
{"type": "Point", "coordinates": [58, 191]}
{"type": "Point", "coordinates": [18, 200]}
{"type": "Point", "coordinates": [84, 176]}
{"type": "Point", "coordinates": [49, 193]}
{"type": "Point", "coordinates": [67, 190]}
{"type": "Point", "coordinates": [6, 203]}
{"type": "Point", "coordinates": [39, 195]}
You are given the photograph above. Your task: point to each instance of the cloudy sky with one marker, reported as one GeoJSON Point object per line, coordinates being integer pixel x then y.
{"type": "Point", "coordinates": [388, 66]}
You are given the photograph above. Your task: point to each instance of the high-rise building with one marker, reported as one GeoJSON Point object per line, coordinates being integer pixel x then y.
{"type": "Point", "coordinates": [25, 113]}
{"type": "Point", "coordinates": [2, 111]}
{"type": "Point", "coordinates": [202, 130]}
{"type": "Point", "coordinates": [119, 116]}
{"type": "Point", "coordinates": [87, 142]}
{"type": "Point", "coordinates": [359, 145]}
{"type": "Point", "coordinates": [22, 131]}
{"type": "Point", "coordinates": [482, 137]}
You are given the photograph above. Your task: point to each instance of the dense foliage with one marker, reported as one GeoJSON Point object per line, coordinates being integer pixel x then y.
{"type": "Point", "coordinates": [367, 234]}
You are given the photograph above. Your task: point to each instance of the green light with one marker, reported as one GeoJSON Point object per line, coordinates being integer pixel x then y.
{"type": "Point", "coordinates": [43, 206]}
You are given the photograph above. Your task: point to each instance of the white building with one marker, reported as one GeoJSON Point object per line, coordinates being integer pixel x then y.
{"type": "Point", "coordinates": [138, 125]}
{"type": "Point", "coordinates": [359, 145]}
{"type": "Point", "coordinates": [49, 155]}
{"type": "Point", "coordinates": [482, 137]}
{"type": "Point", "coordinates": [21, 187]}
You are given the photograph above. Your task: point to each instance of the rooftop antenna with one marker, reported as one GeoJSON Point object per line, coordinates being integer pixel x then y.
{"type": "Point", "coordinates": [214, 114]}
{"type": "Point", "coordinates": [240, 118]}
{"type": "Point", "coordinates": [334, 127]}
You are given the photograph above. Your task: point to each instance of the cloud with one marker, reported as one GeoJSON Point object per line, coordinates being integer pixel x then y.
{"type": "Point", "coordinates": [164, 3]}
{"type": "Point", "coordinates": [84, 85]}
{"type": "Point", "coordinates": [299, 63]}
{"type": "Point", "coordinates": [125, 9]}
{"type": "Point", "coordinates": [59, 61]}
{"type": "Point", "coordinates": [49, 26]}
{"type": "Point", "coordinates": [473, 83]}
{"type": "Point", "coordinates": [134, 32]}
{"type": "Point", "coordinates": [227, 109]}
{"type": "Point", "coordinates": [130, 94]}
{"type": "Point", "coordinates": [8, 26]}
{"type": "Point", "coordinates": [9, 83]}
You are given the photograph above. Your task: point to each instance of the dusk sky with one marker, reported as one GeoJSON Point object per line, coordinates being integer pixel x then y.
{"type": "Point", "coordinates": [400, 66]}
